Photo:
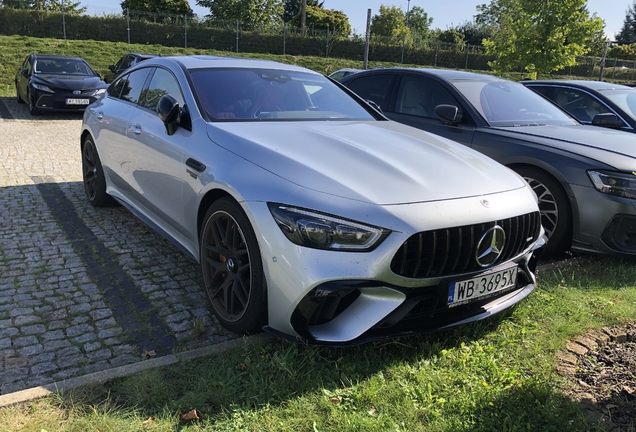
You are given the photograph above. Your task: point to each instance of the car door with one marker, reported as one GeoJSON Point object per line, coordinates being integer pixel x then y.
{"type": "Point", "coordinates": [158, 170]}
{"type": "Point", "coordinates": [113, 114]}
{"type": "Point", "coordinates": [415, 102]}
{"type": "Point", "coordinates": [23, 78]}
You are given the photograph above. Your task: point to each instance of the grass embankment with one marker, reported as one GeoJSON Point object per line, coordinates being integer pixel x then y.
{"type": "Point", "coordinates": [14, 49]}
{"type": "Point", "coordinates": [497, 375]}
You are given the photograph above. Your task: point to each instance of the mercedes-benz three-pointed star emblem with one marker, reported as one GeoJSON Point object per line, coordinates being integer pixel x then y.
{"type": "Point", "coordinates": [490, 246]}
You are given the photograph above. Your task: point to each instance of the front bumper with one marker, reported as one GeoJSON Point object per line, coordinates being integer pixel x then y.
{"type": "Point", "coordinates": [58, 101]}
{"type": "Point", "coordinates": [357, 295]}
{"type": "Point", "coordinates": [607, 225]}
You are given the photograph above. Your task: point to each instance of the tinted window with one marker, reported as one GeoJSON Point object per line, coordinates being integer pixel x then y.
{"type": "Point", "coordinates": [376, 88]}
{"type": "Point", "coordinates": [578, 103]}
{"type": "Point", "coordinates": [625, 98]}
{"type": "Point", "coordinates": [506, 103]}
{"type": "Point", "coordinates": [132, 84]}
{"type": "Point", "coordinates": [162, 83]}
{"type": "Point", "coordinates": [265, 94]}
{"type": "Point", "coordinates": [62, 67]}
{"type": "Point", "coordinates": [419, 96]}
{"type": "Point", "coordinates": [27, 65]}
{"type": "Point", "coordinates": [125, 63]}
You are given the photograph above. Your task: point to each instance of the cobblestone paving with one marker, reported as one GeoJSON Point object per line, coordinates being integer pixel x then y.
{"type": "Point", "coordinates": [81, 289]}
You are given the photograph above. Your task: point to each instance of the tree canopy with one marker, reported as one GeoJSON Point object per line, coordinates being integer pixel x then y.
{"type": "Point", "coordinates": [173, 7]}
{"type": "Point", "coordinates": [537, 36]}
{"type": "Point", "coordinates": [390, 21]}
{"type": "Point", "coordinates": [320, 18]}
{"type": "Point", "coordinates": [293, 7]}
{"type": "Point", "coordinates": [627, 34]}
{"type": "Point", "coordinates": [419, 22]}
{"type": "Point", "coordinates": [248, 11]}
{"type": "Point", "coordinates": [67, 6]}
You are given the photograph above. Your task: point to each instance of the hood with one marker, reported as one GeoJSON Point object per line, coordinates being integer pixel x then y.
{"type": "Point", "coordinates": [378, 162]}
{"type": "Point", "coordinates": [612, 147]}
{"type": "Point", "coordinates": [71, 82]}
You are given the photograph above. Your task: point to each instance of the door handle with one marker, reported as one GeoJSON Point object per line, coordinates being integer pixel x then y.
{"type": "Point", "coordinates": [195, 165]}
{"type": "Point", "coordinates": [136, 129]}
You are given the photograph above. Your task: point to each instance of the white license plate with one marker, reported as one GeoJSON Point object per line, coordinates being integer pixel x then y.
{"type": "Point", "coordinates": [481, 286]}
{"type": "Point", "coordinates": [77, 101]}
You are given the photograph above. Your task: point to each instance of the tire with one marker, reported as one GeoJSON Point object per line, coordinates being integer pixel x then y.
{"type": "Point", "coordinates": [93, 175]}
{"type": "Point", "coordinates": [556, 214]}
{"type": "Point", "coordinates": [33, 110]}
{"type": "Point", "coordinates": [20, 101]}
{"type": "Point", "coordinates": [232, 268]}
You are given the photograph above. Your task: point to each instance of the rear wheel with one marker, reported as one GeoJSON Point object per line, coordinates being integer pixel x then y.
{"type": "Point", "coordinates": [556, 214]}
{"type": "Point", "coordinates": [93, 174]}
{"type": "Point", "coordinates": [232, 268]}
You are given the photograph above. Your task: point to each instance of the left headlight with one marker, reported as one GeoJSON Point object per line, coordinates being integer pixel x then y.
{"type": "Point", "coordinates": [320, 231]}
{"type": "Point", "coordinates": [614, 183]}
{"type": "Point", "coordinates": [42, 88]}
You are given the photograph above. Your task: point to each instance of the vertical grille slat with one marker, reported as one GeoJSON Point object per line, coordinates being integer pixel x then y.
{"type": "Point", "coordinates": [449, 251]}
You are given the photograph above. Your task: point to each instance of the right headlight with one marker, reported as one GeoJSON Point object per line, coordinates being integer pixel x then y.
{"type": "Point", "coordinates": [614, 183]}
{"type": "Point", "coordinates": [320, 231]}
{"type": "Point", "coordinates": [42, 88]}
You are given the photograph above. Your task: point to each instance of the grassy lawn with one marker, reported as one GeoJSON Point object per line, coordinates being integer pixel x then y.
{"type": "Point", "coordinates": [498, 374]}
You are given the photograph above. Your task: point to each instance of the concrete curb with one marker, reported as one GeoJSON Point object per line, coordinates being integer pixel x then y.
{"type": "Point", "coordinates": [126, 370]}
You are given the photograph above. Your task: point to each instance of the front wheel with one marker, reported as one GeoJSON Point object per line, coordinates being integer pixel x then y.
{"type": "Point", "coordinates": [17, 91]}
{"type": "Point", "coordinates": [556, 214]}
{"type": "Point", "coordinates": [93, 175]}
{"type": "Point", "coordinates": [33, 109]}
{"type": "Point", "coordinates": [232, 268]}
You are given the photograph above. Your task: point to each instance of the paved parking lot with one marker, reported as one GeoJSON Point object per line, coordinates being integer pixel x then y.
{"type": "Point", "coordinates": [81, 289]}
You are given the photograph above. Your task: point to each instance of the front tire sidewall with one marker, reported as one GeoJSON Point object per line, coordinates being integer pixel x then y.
{"type": "Point", "coordinates": [97, 196]}
{"type": "Point", "coordinates": [32, 107]}
{"type": "Point", "coordinates": [254, 316]}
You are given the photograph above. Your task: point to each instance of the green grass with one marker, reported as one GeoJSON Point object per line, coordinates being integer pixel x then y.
{"type": "Point", "coordinates": [495, 375]}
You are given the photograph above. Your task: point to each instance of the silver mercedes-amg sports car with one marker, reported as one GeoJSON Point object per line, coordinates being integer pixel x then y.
{"type": "Point", "coordinates": [311, 214]}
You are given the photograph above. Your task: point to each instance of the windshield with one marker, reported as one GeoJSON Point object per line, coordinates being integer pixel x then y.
{"type": "Point", "coordinates": [624, 98]}
{"type": "Point", "coordinates": [264, 94]}
{"type": "Point", "coordinates": [62, 67]}
{"type": "Point", "coordinates": [506, 103]}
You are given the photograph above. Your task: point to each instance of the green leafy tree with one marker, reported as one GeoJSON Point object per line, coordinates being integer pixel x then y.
{"type": "Point", "coordinates": [475, 33]}
{"type": "Point", "coordinates": [67, 6]}
{"type": "Point", "coordinates": [627, 35]}
{"type": "Point", "coordinates": [390, 22]}
{"type": "Point", "coordinates": [419, 23]}
{"type": "Point", "coordinates": [293, 7]}
{"type": "Point", "coordinates": [248, 11]}
{"type": "Point", "coordinates": [319, 18]}
{"type": "Point", "coordinates": [173, 7]}
{"type": "Point", "coordinates": [450, 35]}
{"type": "Point", "coordinates": [538, 36]}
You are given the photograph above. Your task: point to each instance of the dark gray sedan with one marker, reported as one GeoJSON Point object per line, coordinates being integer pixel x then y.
{"type": "Point", "coordinates": [592, 102]}
{"type": "Point", "coordinates": [583, 175]}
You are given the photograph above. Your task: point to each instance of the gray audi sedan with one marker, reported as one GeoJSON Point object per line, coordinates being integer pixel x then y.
{"type": "Point", "coordinates": [584, 176]}
{"type": "Point", "coordinates": [311, 215]}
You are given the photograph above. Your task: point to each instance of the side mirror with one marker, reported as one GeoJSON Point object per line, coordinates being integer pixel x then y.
{"type": "Point", "coordinates": [374, 105]}
{"type": "Point", "coordinates": [111, 68]}
{"type": "Point", "coordinates": [609, 120]}
{"type": "Point", "coordinates": [168, 110]}
{"type": "Point", "coordinates": [449, 114]}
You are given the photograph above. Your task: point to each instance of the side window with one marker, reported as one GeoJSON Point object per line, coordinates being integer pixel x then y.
{"type": "Point", "coordinates": [162, 83]}
{"type": "Point", "coordinates": [376, 88]}
{"type": "Point", "coordinates": [114, 90]}
{"type": "Point", "coordinates": [27, 65]}
{"type": "Point", "coordinates": [579, 104]}
{"type": "Point", "coordinates": [132, 85]}
{"type": "Point", "coordinates": [124, 63]}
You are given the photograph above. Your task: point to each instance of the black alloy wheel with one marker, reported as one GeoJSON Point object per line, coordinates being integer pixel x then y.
{"type": "Point", "coordinates": [93, 175]}
{"type": "Point", "coordinates": [17, 91]}
{"type": "Point", "coordinates": [556, 215]}
{"type": "Point", "coordinates": [232, 268]}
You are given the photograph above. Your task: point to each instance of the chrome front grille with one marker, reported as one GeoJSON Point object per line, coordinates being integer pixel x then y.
{"type": "Point", "coordinates": [450, 251]}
